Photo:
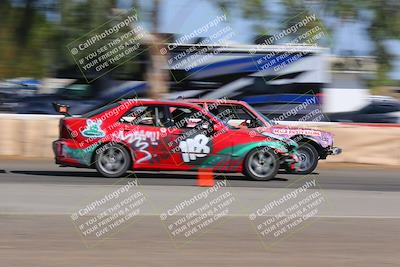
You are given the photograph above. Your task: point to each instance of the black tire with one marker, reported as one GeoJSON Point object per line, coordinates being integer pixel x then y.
{"type": "Point", "coordinates": [269, 164]}
{"type": "Point", "coordinates": [308, 157]}
{"type": "Point", "coordinates": [112, 160]}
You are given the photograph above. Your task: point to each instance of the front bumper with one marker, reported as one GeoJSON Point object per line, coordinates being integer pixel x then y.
{"type": "Point", "coordinates": [334, 151]}
{"type": "Point", "coordinates": [290, 161]}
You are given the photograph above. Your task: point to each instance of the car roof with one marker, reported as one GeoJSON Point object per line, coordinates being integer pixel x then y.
{"type": "Point", "coordinates": [152, 101]}
{"type": "Point", "coordinates": [221, 101]}
{"type": "Point", "coordinates": [159, 102]}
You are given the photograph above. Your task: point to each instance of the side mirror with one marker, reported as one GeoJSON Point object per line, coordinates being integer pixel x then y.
{"type": "Point", "coordinates": [62, 109]}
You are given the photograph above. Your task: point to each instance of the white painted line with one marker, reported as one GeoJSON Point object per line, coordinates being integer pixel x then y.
{"type": "Point", "coordinates": [229, 215]}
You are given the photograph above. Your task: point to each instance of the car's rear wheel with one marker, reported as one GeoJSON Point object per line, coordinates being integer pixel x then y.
{"type": "Point", "coordinates": [261, 164]}
{"type": "Point", "coordinates": [112, 161]}
{"type": "Point", "coordinates": [308, 159]}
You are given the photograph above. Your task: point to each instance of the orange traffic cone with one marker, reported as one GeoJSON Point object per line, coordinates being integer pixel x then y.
{"type": "Point", "coordinates": [205, 178]}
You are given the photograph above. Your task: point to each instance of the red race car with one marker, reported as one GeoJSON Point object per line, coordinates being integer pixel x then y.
{"type": "Point", "coordinates": [147, 134]}
{"type": "Point", "coordinates": [313, 144]}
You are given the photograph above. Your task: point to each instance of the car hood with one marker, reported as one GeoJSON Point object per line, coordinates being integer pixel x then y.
{"type": "Point", "coordinates": [323, 138]}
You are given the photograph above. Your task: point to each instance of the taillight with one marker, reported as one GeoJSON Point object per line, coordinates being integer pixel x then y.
{"type": "Point", "coordinates": [59, 149]}
{"type": "Point", "coordinates": [64, 133]}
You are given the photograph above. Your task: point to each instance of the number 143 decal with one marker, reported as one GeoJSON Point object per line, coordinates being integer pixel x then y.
{"type": "Point", "coordinates": [193, 148]}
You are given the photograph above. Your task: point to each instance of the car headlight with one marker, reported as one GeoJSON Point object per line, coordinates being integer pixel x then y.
{"type": "Point", "coordinates": [327, 139]}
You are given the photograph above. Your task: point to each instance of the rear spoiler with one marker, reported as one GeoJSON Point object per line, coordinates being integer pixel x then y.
{"type": "Point", "coordinates": [62, 109]}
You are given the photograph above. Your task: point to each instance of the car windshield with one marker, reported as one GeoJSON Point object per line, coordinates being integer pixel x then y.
{"type": "Point", "coordinates": [261, 115]}
{"type": "Point", "coordinates": [235, 115]}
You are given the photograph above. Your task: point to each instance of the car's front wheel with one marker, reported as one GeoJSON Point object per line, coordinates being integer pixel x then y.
{"type": "Point", "coordinates": [308, 159]}
{"type": "Point", "coordinates": [112, 160]}
{"type": "Point", "coordinates": [261, 164]}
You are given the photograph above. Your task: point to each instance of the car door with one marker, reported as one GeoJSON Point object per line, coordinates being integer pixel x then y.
{"type": "Point", "coordinates": [193, 142]}
{"type": "Point", "coordinates": [144, 132]}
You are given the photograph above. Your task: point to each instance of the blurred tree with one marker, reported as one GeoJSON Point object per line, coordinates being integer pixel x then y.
{"type": "Point", "coordinates": [30, 43]}
{"type": "Point", "coordinates": [254, 10]}
{"type": "Point", "coordinates": [157, 75]}
{"type": "Point", "coordinates": [24, 40]}
{"type": "Point", "coordinates": [294, 12]}
{"type": "Point", "coordinates": [81, 17]}
{"type": "Point", "coordinates": [384, 24]}
{"type": "Point", "coordinates": [77, 19]}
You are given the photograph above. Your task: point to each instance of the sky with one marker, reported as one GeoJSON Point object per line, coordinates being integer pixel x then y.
{"type": "Point", "coordinates": [183, 16]}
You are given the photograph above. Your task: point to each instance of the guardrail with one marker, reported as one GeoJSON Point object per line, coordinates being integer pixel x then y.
{"type": "Point", "coordinates": [30, 136]}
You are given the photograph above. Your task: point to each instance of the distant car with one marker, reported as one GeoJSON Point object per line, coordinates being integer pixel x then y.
{"type": "Point", "coordinates": [313, 144]}
{"type": "Point", "coordinates": [81, 96]}
{"type": "Point", "coordinates": [379, 110]}
{"type": "Point", "coordinates": [166, 135]}
{"type": "Point", "coordinates": [12, 90]}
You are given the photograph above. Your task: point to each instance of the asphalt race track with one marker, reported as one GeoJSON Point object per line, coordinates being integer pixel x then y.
{"type": "Point", "coordinates": [357, 223]}
{"type": "Point", "coordinates": [342, 178]}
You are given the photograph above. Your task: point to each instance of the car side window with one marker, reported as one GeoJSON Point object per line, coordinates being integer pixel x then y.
{"type": "Point", "coordinates": [185, 117]}
{"type": "Point", "coordinates": [235, 115]}
{"type": "Point", "coordinates": [150, 115]}
{"type": "Point", "coordinates": [229, 112]}
{"type": "Point", "coordinates": [383, 108]}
